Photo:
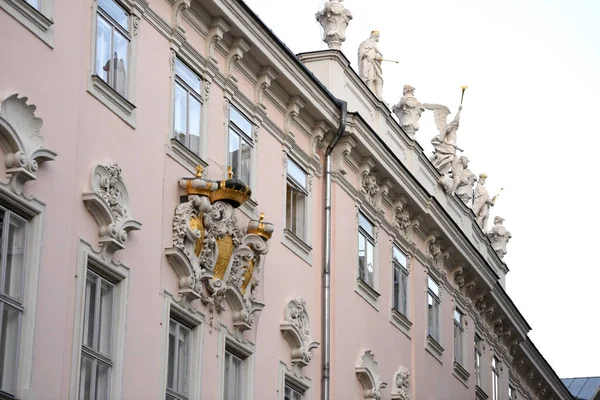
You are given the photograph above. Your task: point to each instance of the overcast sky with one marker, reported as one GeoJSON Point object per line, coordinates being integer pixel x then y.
{"type": "Point", "coordinates": [530, 116]}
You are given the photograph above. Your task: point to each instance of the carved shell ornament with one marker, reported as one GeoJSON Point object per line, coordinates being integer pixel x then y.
{"type": "Point", "coordinates": [215, 258]}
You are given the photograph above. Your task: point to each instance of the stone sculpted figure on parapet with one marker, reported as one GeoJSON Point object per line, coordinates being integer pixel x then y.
{"type": "Point", "coordinates": [444, 144]}
{"type": "Point", "coordinates": [334, 19]}
{"type": "Point", "coordinates": [499, 236]}
{"type": "Point", "coordinates": [408, 110]}
{"type": "Point", "coordinates": [463, 184]}
{"type": "Point", "coordinates": [482, 203]}
{"type": "Point", "coordinates": [369, 64]}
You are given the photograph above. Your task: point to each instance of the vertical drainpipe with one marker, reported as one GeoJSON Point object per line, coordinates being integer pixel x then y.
{"type": "Point", "coordinates": [327, 267]}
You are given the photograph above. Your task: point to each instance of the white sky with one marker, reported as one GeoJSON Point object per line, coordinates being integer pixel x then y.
{"type": "Point", "coordinates": [531, 110]}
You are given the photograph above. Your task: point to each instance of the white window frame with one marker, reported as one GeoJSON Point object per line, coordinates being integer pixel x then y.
{"type": "Point", "coordinates": [495, 367]}
{"type": "Point", "coordinates": [397, 318]}
{"type": "Point", "coordinates": [300, 383]}
{"type": "Point", "coordinates": [194, 320]}
{"type": "Point", "coordinates": [434, 343]}
{"type": "Point", "coordinates": [123, 107]}
{"type": "Point", "coordinates": [478, 355]}
{"type": "Point", "coordinates": [119, 276]}
{"type": "Point", "coordinates": [368, 292]}
{"type": "Point", "coordinates": [245, 351]}
{"type": "Point", "coordinates": [247, 137]}
{"type": "Point", "coordinates": [37, 20]}
{"type": "Point", "coordinates": [459, 340]}
{"type": "Point", "coordinates": [33, 211]}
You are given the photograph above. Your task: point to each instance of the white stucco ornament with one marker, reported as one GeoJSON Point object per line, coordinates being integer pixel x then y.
{"type": "Point", "coordinates": [334, 19]}
{"type": "Point", "coordinates": [408, 110]}
{"type": "Point", "coordinates": [401, 389]}
{"type": "Point", "coordinates": [444, 144]}
{"type": "Point", "coordinates": [21, 141]}
{"type": "Point", "coordinates": [499, 236]}
{"type": "Point", "coordinates": [108, 202]}
{"type": "Point", "coordinates": [369, 64]}
{"type": "Point", "coordinates": [366, 372]}
{"type": "Point", "coordinates": [216, 260]}
{"type": "Point", "coordinates": [296, 330]}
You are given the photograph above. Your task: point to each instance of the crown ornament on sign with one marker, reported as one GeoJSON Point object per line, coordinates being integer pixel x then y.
{"type": "Point", "coordinates": [261, 228]}
{"type": "Point", "coordinates": [231, 190]}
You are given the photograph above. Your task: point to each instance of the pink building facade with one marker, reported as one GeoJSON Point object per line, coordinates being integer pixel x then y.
{"type": "Point", "coordinates": [141, 142]}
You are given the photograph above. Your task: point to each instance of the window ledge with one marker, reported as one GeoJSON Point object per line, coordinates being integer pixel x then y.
{"type": "Point", "coordinates": [461, 373]}
{"type": "Point", "coordinates": [184, 156]}
{"type": "Point", "coordinates": [297, 246]}
{"type": "Point", "coordinates": [249, 208]}
{"type": "Point", "coordinates": [480, 394]}
{"type": "Point", "coordinates": [111, 99]}
{"type": "Point", "coordinates": [367, 293]}
{"type": "Point", "coordinates": [434, 348]}
{"type": "Point", "coordinates": [30, 18]}
{"type": "Point", "coordinates": [400, 321]}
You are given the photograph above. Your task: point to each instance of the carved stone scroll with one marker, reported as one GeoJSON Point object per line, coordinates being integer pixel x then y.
{"type": "Point", "coordinates": [296, 330]}
{"type": "Point", "coordinates": [401, 387]}
{"type": "Point", "coordinates": [366, 372]}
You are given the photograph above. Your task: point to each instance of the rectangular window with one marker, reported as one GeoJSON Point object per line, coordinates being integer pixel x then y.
{"type": "Point", "coordinates": [400, 293]}
{"type": "Point", "coordinates": [512, 393]}
{"type": "Point", "coordinates": [34, 3]}
{"type": "Point", "coordinates": [495, 378]}
{"type": "Point", "coordinates": [240, 145]}
{"type": "Point", "coordinates": [234, 377]}
{"type": "Point", "coordinates": [292, 394]}
{"type": "Point", "coordinates": [366, 250]}
{"type": "Point", "coordinates": [188, 102]}
{"type": "Point", "coordinates": [478, 353]}
{"type": "Point", "coordinates": [112, 45]}
{"type": "Point", "coordinates": [459, 329]}
{"type": "Point", "coordinates": [296, 199]}
{"type": "Point", "coordinates": [178, 362]}
{"type": "Point", "coordinates": [96, 350]}
{"type": "Point", "coordinates": [13, 241]}
{"type": "Point", "coordinates": [433, 309]}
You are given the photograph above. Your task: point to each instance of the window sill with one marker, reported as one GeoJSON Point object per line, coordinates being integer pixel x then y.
{"type": "Point", "coordinates": [367, 293]}
{"type": "Point", "coordinates": [461, 373]}
{"type": "Point", "coordinates": [30, 18]}
{"type": "Point", "coordinates": [480, 394]}
{"type": "Point", "coordinates": [111, 99]}
{"type": "Point", "coordinates": [401, 322]}
{"type": "Point", "coordinates": [249, 208]}
{"type": "Point", "coordinates": [434, 348]}
{"type": "Point", "coordinates": [184, 156]}
{"type": "Point", "coordinates": [297, 246]}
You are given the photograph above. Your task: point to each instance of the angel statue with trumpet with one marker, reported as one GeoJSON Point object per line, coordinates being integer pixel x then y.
{"type": "Point", "coordinates": [444, 144]}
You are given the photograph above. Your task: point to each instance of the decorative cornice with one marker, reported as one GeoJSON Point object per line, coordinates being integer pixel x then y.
{"type": "Point", "coordinates": [236, 53]}
{"type": "Point", "coordinates": [265, 76]}
{"type": "Point", "coordinates": [216, 31]}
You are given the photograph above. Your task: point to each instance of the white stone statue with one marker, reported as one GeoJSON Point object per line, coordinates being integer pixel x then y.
{"type": "Point", "coordinates": [482, 203]}
{"type": "Point", "coordinates": [444, 144]}
{"type": "Point", "coordinates": [499, 237]}
{"type": "Point", "coordinates": [463, 184]}
{"type": "Point", "coordinates": [408, 111]}
{"type": "Point", "coordinates": [369, 64]}
{"type": "Point", "coordinates": [334, 19]}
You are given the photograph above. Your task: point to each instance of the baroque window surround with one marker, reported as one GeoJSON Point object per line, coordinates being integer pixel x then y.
{"type": "Point", "coordinates": [193, 319]}
{"type": "Point", "coordinates": [38, 21]}
{"type": "Point", "coordinates": [23, 153]}
{"type": "Point", "coordinates": [370, 294]}
{"type": "Point", "coordinates": [243, 349]}
{"type": "Point", "coordinates": [287, 377]}
{"type": "Point", "coordinates": [118, 274]}
{"type": "Point", "coordinates": [399, 320]}
{"type": "Point", "coordinates": [123, 107]}
{"type": "Point", "coordinates": [198, 64]}
{"type": "Point", "coordinates": [299, 246]}
{"type": "Point", "coordinates": [368, 376]}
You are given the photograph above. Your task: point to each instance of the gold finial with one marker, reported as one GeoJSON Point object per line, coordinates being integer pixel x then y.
{"type": "Point", "coordinates": [262, 217]}
{"type": "Point", "coordinates": [483, 175]}
{"type": "Point", "coordinates": [496, 196]}
{"type": "Point", "coordinates": [229, 172]}
{"type": "Point", "coordinates": [374, 32]}
{"type": "Point", "coordinates": [199, 171]}
{"type": "Point", "coordinates": [464, 87]}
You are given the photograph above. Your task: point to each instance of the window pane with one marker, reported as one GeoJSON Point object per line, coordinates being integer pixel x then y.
{"type": "Point", "coordinates": [187, 75]}
{"type": "Point", "coordinates": [458, 317]}
{"type": "Point", "coordinates": [180, 113]}
{"type": "Point", "coordinates": [365, 224]}
{"type": "Point", "coordinates": [240, 121]}
{"type": "Point", "coordinates": [15, 256]}
{"type": "Point", "coordinates": [234, 153]}
{"type": "Point", "coordinates": [8, 347]}
{"type": "Point", "coordinates": [370, 264]}
{"type": "Point", "coordinates": [362, 255]}
{"type": "Point", "coordinates": [85, 378]}
{"type": "Point", "coordinates": [399, 257]}
{"type": "Point", "coordinates": [182, 379]}
{"type": "Point", "coordinates": [90, 310]}
{"type": "Point", "coordinates": [404, 293]}
{"type": "Point", "coordinates": [194, 124]}
{"type": "Point", "coordinates": [115, 11]}
{"type": "Point", "coordinates": [120, 64]}
{"type": "Point", "coordinates": [295, 211]}
{"type": "Point", "coordinates": [433, 286]}
{"type": "Point", "coordinates": [34, 3]}
{"type": "Point", "coordinates": [106, 318]}
{"type": "Point", "coordinates": [246, 159]}
{"type": "Point", "coordinates": [296, 173]}
{"type": "Point", "coordinates": [102, 381]}
{"type": "Point", "coordinates": [396, 290]}
{"type": "Point", "coordinates": [103, 39]}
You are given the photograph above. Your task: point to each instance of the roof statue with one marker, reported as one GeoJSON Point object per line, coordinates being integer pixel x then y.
{"type": "Point", "coordinates": [369, 64]}
{"type": "Point", "coordinates": [499, 237]}
{"type": "Point", "coordinates": [464, 181]}
{"type": "Point", "coordinates": [408, 110]}
{"type": "Point", "coordinates": [482, 203]}
{"type": "Point", "coordinates": [334, 19]}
